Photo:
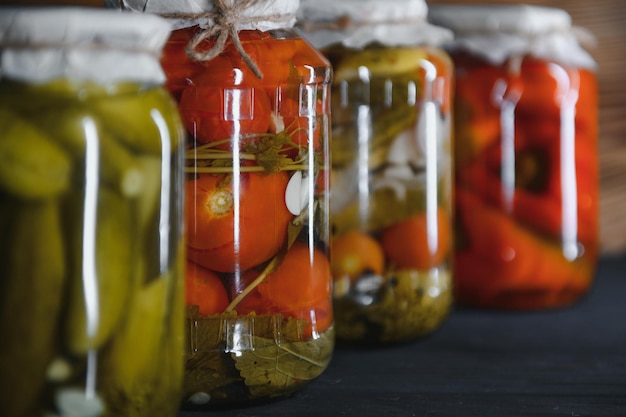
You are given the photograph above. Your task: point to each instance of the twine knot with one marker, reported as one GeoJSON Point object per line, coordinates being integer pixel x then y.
{"type": "Point", "coordinates": [227, 17]}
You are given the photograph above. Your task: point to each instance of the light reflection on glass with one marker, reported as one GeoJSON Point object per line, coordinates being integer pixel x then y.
{"type": "Point", "coordinates": [568, 85]}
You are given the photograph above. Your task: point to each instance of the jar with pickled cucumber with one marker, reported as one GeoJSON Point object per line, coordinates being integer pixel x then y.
{"type": "Point", "coordinates": [254, 99]}
{"type": "Point", "coordinates": [391, 170]}
{"type": "Point", "coordinates": [526, 158]}
{"type": "Point", "coordinates": [91, 173]}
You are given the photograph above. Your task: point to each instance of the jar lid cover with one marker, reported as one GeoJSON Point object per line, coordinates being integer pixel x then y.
{"type": "Point", "coordinates": [43, 43]}
{"type": "Point", "coordinates": [521, 19]}
{"type": "Point", "coordinates": [370, 11]}
{"type": "Point", "coordinates": [499, 32]}
{"type": "Point", "coordinates": [357, 23]}
{"type": "Point", "coordinates": [261, 15]}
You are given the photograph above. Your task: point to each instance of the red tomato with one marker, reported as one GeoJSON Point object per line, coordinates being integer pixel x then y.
{"type": "Point", "coordinates": [406, 244]}
{"type": "Point", "coordinates": [220, 241]}
{"type": "Point", "coordinates": [273, 58]}
{"type": "Point", "coordinates": [355, 253]}
{"type": "Point", "coordinates": [316, 315]}
{"type": "Point", "coordinates": [305, 60]}
{"type": "Point", "coordinates": [317, 318]}
{"type": "Point", "coordinates": [177, 65]}
{"type": "Point", "coordinates": [253, 35]}
{"type": "Point", "coordinates": [224, 102]}
{"type": "Point", "coordinates": [203, 288]}
{"type": "Point", "coordinates": [301, 281]}
{"type": "Point", "coordinates": [255, 302]}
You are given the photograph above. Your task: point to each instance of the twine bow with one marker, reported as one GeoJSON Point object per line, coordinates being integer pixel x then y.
{"type": "Point", "coordinates": [227, 16]}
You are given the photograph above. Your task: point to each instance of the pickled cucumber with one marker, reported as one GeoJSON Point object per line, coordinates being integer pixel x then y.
{"type": "Point", "coordinates": [131, 367]}
{"type": "Point", "coordinates": [385, 209]}
{"type": "Point", "coordinates": [18, 96]}
{"type": "Point", "coordinates": [146, 218]}
{"type": "Point", "coordinates": [32, 274]}
{"type": "Point", "coordinates": [379, 62]}
{"type": "Point", "coordinates": [111, 248]}
{"type": "Point", "coordinates": [138, 120]}
{"type": "Point", "coordinates": [72, 127]}
{"type": "Point", "coordinates": [73, 275]}
{"type": "Point", "coordinates": [31, 165]}
{"type": "Point", "coordinates": [148, 201]}
{"type": "Point", "coordinates": [385, 128]}
{"type": "Point", "coordinates": [122, 169]}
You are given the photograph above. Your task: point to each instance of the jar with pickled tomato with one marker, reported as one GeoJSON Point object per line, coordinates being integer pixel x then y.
{"type": "Point", "coordinates": [391, 171]}
{"type": "Point", "coordinates": [526, 158]}
{"type": "Point", "coordinates": [254, 98]}
{"type": "Point", "coordinates": [91, 177]}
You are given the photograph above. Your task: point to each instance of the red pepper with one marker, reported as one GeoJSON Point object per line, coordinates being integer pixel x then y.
{"type": "Point", "coordinates": [536, 198]}
{"type": "Point", "coordinates": [499, 256]}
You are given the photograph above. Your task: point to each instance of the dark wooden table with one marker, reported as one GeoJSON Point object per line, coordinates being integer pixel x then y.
{"type": "Point", "coordinates": [566, 362]}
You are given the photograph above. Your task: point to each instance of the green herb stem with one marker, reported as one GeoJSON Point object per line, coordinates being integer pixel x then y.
{"type": "Point", "coordinates": [229, 170]}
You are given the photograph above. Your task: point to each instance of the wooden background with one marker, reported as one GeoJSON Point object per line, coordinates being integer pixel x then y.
{"type": "Point", "coordinates": [606, 19]}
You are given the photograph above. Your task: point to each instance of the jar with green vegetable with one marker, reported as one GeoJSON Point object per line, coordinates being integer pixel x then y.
{"type": "Point", "coordinates": [391, 173]}
{"type": "Point", "coordinates": [91, 286]}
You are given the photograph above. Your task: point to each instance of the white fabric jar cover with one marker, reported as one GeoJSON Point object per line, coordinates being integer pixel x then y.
{"type": "Point", "coordinates": [358, 23]}
{"type": "Point", "coordinates": [498, 32]}
{"type": "Point", "coordinates": [41, 44]}
{"type": "Point", "coordinates": [186, 13]}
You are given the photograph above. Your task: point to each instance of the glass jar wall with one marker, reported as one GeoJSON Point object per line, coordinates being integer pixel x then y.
{"type": "Point", "coordinates": [526, 157]}
{"type": "Point", "coordinates": [91, 285]}
{"type": "Point", "coordinates": [259, 314]}
{"type": "Point", "coordinates": [391, 202]}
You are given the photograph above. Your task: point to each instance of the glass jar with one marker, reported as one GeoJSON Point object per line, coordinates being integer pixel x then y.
{"type": "Point", "coordinates": [259, 317]}
{"type": "Point", "coordinates": [391, 202]}
{"type": "Point", "coordinates": [526, 158]}
{"type": "Point", "coordinates": [91, 173]}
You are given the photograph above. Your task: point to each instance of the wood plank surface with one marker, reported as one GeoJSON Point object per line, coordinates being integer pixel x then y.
{"type": "Point", "coordinates": [606, 20]}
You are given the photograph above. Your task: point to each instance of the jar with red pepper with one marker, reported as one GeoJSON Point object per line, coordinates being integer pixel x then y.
{"type": "Point", "coordinates": [254, 99]}
{"type": "Point", "coordinates": [391, 175]}
{"type": "Point", "coordinates": [526, 156]}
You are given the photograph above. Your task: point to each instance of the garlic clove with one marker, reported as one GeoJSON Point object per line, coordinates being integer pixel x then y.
{"type": "Point", "coordinates": [297, 193]}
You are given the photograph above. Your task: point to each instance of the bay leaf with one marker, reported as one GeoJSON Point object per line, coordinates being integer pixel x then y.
{"type": "Point", "coordinates": [279, 365]}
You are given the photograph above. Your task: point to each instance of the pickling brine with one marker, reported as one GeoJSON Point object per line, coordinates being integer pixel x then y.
{"type": "Point", "coordinates": [259, 314]}
{"type": "Point", "coordinates": [91, 258]}
{"type": "Point", "coordinates": [391, 202]}
{"type": "Point", "coordinates": [526, 159]}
